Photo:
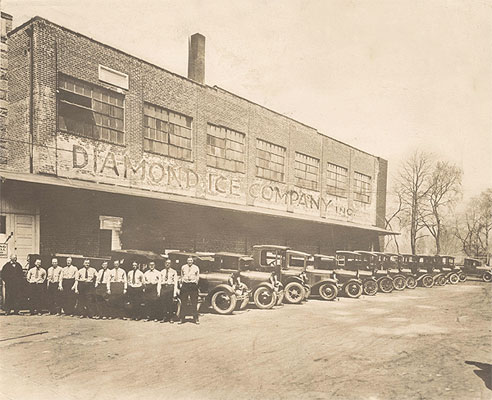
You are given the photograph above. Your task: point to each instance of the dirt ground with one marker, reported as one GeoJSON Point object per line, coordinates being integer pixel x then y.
{"type": "Point", "coordinates": [416, 344]}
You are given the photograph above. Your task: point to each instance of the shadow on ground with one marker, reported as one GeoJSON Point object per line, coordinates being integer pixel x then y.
{"type": "Point", "coordinates": [484, 372]}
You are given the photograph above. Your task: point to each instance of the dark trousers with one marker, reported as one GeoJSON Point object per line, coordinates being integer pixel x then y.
{"type": "Point", "coordinates": [36, 297]}
{"type": "Point", "coordinates": [14, 298]}
{"type": "Point", "coordinates": [69, 298]}
{"type": "Point", "coordinates": [135, 298]}
{"type": "Point", "coordinates": [117, 300]}
{"type": "Point", "coordinates": [54, 298]}
{"type": "Point", "coordinates": [86, 303]}
{"type": "Point", "coordinates": [101, 298]}
{"type": "Point", "coordinates": [189, 300]}
{"type": "Point", "coordinates": [167, 304]}
{"type": "Point", "coordinates": [152, 302]}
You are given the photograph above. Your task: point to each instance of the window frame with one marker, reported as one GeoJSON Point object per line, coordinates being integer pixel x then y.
{"type": "Point", "coordinates": [257, 157]}
{"type": "Point", "coordinates": [336, 190]}
{"type": "Point", "coordinates": [298, 178]}
{"type": "Point", "coordinates": [226, 139]}
{"type": "Point", "coordinates": [103, 91]}
{"type": "Point", "coordinates": [365, 188]}
{"type": "Point", "coordinates": [168, 133]}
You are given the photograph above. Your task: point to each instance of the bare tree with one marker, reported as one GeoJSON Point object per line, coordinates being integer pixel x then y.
{"type": "Point", "coordinates": [413, 187]}
{"type": "Point", "coordinates": [473, 228]}
{"type": "Point", "coordinates": [444, 189]}
{"type": "Point", "coordinates": [392, 218]}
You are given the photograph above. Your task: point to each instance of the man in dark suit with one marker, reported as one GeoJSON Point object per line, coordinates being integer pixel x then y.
{"type": "Point", "coordinates": [13, 282]}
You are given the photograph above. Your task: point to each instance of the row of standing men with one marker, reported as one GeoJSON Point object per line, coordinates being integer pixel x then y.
{"type": "Point", "coordinates": [105, 293]}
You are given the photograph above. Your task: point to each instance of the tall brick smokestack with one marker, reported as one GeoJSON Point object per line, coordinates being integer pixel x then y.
{"type": "Point", "coordinates": [196, 58]}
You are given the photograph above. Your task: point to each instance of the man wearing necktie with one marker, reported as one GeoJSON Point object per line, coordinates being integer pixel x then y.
{"type": "Point", "coordinates": [117, 286]}
{"type": "Point", "coordinates": [53, 287]}
{"type": "Point", "coordinates": [67, 287]}
{"type": "Point", "coordinates": [152, 280]}
{"type": "Point", "coordinates": [190, 274]}
{"type": "Point", "coordinates": [36, 278]}
{"type": "Point", "coordinates": [84, 287]}
{"type": "Point", "coordinates": [102, 279]}
{"type": "Point", "coordinates": [169, 288]}
{"type": "Point", "coordinates": [135, 289]}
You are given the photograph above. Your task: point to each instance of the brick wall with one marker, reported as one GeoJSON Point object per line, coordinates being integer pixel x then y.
{"type": "Point", "coordinates": [58, 50]}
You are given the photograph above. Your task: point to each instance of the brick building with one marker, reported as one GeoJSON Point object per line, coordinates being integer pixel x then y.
{"type": "Point", "coordinates": [103, 149]}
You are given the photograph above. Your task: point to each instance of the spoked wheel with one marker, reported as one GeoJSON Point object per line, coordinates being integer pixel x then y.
{"type": "Point", "coordinates": [385, 285]}
{"type": "Point", "coordinates": [453, 279]}
{"type": "Point", "coordinates": [294, 292]}
{"type": "Point", "coordinates": [370, 287]}
{"type": "Point", "coordinates": [328, 291]}
{"type": "Point", "coordinates": [462, 276]}
{"type": "Point", "coordinates": [441, 280]}
{"type": "Point", "coordinates": [223, 302]}
{"type": "Point", "coordinates": [427, 281]}
{"type": "Point", "coordinates": [264, 298]}
{"type": "Point", "coordinates": [399, 283]}
{"type": "Point", "coordinates": [411, 282]}
{"type": "Point", "coordinates": [353, 290]}
{"type": "Point", "coordinates": [487, 277]}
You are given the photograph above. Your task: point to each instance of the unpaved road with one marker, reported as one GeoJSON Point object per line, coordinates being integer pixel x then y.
{"type": "Point", "coordinates": [417, 344]}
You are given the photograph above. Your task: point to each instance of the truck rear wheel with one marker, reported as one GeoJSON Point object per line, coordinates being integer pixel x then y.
{"type": "Point", "coordinates": [487, 277]}
{"type": "Point", "coordinates": [294, 292]}
{"type": "Point", "coordinates": [411, 282]}
{"type": "Point", "coordinates": [427, 281]}
{"type": "Point", "coordinates": [328, 291]}
{"type": "Point", "coordinates": [353, 290]}
{"type": "Point", "coordinates": [223, 301]}
{"type": "Point", "coordinates": [399, 283]}
{"type": "Point", "coordinates": [462, 276]}
{"type": "Point", "coordinates": [370, 287]}
{"type": "Point", "coordinates": [264, 298]}
{"type": "Point", "coordinates": [385, 285]}
{"type": "Point", "coordinates": [453, 279]}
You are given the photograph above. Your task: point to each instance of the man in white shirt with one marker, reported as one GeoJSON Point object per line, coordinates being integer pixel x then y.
{"type": "Point", "coordinates": [53, 287]}
{"type": "Point", "coordinates": [169, 289]}
{"type": "Point", "coordinates": [190, 274]}
{"type": "Point", "coordinates": [85, 288]}
{"type": "Point", "coordinates": [152, 280]}
{"type": "Point", "coordinates": [67, 287]}
{"type": "Point", "coordinates": [36, 278]}
{"type": "Point", "coordinates": [102, 279]}
{"type": "Point", "coordinates": [117, 289]}
{"type": "Point", "coordinates": [135, 290]}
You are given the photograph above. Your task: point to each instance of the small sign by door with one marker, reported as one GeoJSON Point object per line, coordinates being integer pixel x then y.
{"type": "Point", "coordinates": [3, 250]}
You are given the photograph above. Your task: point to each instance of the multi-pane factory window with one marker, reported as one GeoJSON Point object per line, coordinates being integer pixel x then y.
{"type": "Point", "coordinates": [306, 171]}
{"type": "Point", "coordinates": [90, 111]}
{"type": "Point", "coordinates": [167, 133]}
{"type": "Point", "coordinates": [337, 180]}
{"type": "Point", "coordinates": [270, 161]}
{"type": "Point", "coordinates": [362, 188]}
{"type": "Point", "coordinates": [225, 149]}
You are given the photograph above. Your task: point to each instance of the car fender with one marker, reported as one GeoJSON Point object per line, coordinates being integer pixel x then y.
{"type": "Point", "coordinates": [264, 284]}
{"type": "Point", "coordinates": [225, 286]}
{"type": "Point", "coordinates": [329, 280]}
{"type": "Point", "coordinates": [294, 279]}
{"type": "Point", "coordinates": [352, 281]}
{"type": "Point", "coordinates": [382, 277]}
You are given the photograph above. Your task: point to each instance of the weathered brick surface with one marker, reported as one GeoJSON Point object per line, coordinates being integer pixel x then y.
{"type": "Point", "coordinates": [57, 50]}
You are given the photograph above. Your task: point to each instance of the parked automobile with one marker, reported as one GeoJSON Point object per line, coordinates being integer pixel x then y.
{"type": "Point", "coordinates": [420, 268]}
{"type": "Point", "coordinates": [219, 289]}
{"type": "Point", "coordinates": [396, 262]}
{"type": "Point", "coordinates": [265, 290]}
{"type": "Point", "coordinates": [354, 261]}
{"type": "Point", "coordinates": [319, 282]}
{"type": "Point", "coordinates": [448, 268]}
{"type": "Point", "coordinates": [474, 268]}
{"type": "Point", "coordinates": [372, 262]}
{"type": "Point", "coordinates": [389, 263]}
{"type": "Point", "coordinates": [272, 258]}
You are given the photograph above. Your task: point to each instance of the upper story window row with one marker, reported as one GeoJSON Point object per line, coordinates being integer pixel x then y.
{"type": "Point", "coordinates": [90, 111]}
{"type": "Point", "coordinates": [362, 188]}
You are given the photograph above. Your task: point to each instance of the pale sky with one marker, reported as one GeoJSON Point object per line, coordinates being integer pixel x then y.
{"type": "Point", "coordinates": [386, 76]}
